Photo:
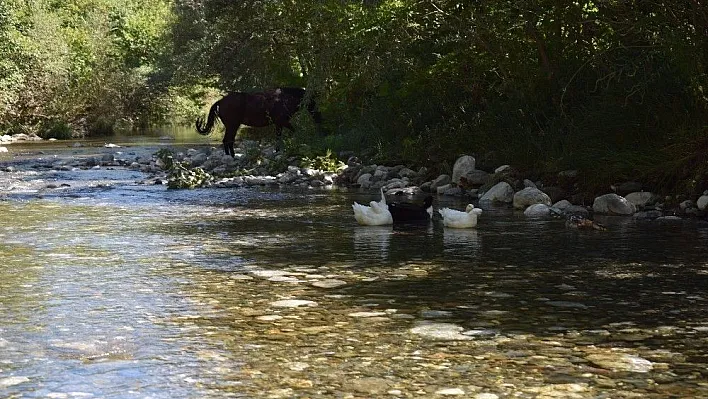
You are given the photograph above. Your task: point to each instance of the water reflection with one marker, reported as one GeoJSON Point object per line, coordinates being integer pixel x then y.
{"type": "Point", "coordinates": [460, 241]}
{"type": "Point", "coordinates": [372, 241]}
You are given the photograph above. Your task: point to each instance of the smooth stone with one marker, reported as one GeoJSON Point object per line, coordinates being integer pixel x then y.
{"type": "Point", "coordinates": [329, 283]}
{"type": "Point", "coordinates": [269, 273]}
{"type": "Point", "coordinates": [450, 392]}
{"type": "Point", "coordinates": [367, 314]}
{"type": "Point", "coordinates": [440, 331]}
{"type": "Point", "coordinates": [702, 202]}
{"type": "Point", "coordinates": [486, 396]}
{"type": "Point", "coordinates": [538, 211]}
{"type": "Point", "coordinates": [613, 204]}
{"type": "Point", "coordinates": [433, 314]}
{"type": "Point", "coordinates": [621, 362]}
{"type": "Point", "coordinates": [283, 279]}
{"type": "Point", "coordinates": [270, 317]}
{"type": "Point", "coordinates": [293, 303]}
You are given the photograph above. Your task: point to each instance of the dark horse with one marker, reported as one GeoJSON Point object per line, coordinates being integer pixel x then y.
{"type": "Point", "coordinates": [273, 106]}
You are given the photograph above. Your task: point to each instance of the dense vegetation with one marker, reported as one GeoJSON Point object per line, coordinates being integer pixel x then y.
{"type": "Point", "coordinates": [617, 89]}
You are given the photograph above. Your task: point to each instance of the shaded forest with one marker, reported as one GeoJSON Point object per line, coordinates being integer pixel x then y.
{"type": "Point", "coordinates": [615, 89]}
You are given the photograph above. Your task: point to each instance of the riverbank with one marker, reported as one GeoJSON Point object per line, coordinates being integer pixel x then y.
{"type": "Point", "coordinates": [185, 166]}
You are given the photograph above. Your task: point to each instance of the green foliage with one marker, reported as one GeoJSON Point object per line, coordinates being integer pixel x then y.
{"type": "Point", "coordinates": [327, 162]}
{"type": "Point", "coordinates": [180, 175]}
{"type": "Point", "coordinates": [56, 129]}
{"type": "Point", "coordinates": [85, 62]}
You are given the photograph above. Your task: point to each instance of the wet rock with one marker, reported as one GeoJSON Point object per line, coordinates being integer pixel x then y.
{"type": "Point", "coordinates": [292, 303]}
{"type": "Point", "coordinates": [270, 317]}
{"type": "Point", "coordinates": [613, 204]}
{"type": "Point", "coordinates": [283, 279]}
{"type": "Point", "coordinates": [434, 314]}
{"type": "Point", "coordinates": [538, 211]}
{"type": "Point", "coordinates": [440, 331]}
{"type": "Point", "coordinates": [642, 199]}
{"type": "Point", "coordinates": [329, 283]}
{"type": "Point", "coordinates": [367, 314]}
{"type": "Point", "coordinates": [684, 205]}
{"type": "Point", "coordinates": [440, 181]}
{"type": "Point", "coordinates": [530, 196]}
{"type": "Point", "coordinates": [500, 192]}
{"type": "Point", "coordinates": [562, 391]}
{"type": "Point", "coordinates": [369, 385]}
{"type": "Point", "coordinates": [450, 392]}
{"type": "Point", "coordinates": [620, 362]}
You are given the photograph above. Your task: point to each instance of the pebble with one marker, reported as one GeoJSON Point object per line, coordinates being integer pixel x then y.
{"type": "Point", "coordinates": [270, 317]}
{"type": "Point", "coordinates": [367, 314]}
{"type": "Point", "coordinates": [293, 303]}
{"type": "Point", "coordinates": [450, 392]}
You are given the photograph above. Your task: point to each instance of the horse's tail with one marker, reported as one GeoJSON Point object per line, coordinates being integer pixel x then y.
{"type": "Point", "coordinates": [213, 114]}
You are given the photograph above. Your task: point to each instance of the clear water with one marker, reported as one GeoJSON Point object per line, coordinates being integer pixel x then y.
{"type": "Point", "coordinates": [124, 290]}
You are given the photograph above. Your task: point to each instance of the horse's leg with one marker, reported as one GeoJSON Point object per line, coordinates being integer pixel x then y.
{"type": "Point", "coordinates": [229, 139]}
{"type": "Point", "coordinates": [278, 137]}
{"type": "Point", "coordinates": [279, 133]}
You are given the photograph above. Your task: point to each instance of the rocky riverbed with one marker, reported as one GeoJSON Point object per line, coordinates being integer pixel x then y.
{"type": "Point", "coordinates": [254, 292]}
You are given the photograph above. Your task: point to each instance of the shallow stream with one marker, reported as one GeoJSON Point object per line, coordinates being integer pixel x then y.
{"type": "Point", "coordinates": [114, 289]}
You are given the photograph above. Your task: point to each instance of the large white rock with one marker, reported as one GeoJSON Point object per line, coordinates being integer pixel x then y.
{"type": "Point", "coordinates": [640, 199]}
{"type": "Point", "coordinates": [702, 202]}
{"type": "Point", "coordinates": [530, 196]}
{"type": "Point", "coordinates": [613, 204]}
{"type": "Point", "coordinates": [500, 192]}
{"type": "Point", "coordinates": [464, 165]}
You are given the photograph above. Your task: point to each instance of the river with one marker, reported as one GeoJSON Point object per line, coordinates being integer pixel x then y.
{"type": "Point", "coordinates": [114, 289]}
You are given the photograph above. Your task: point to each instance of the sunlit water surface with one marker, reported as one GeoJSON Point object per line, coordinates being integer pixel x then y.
{"type": "Point", "coordinates": [136, 291]}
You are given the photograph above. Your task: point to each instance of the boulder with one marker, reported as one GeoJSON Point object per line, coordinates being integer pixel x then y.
{"type": "Point", "coordinates": [474, 178]}
{"type": "Point", "coordinates": [439, 181]}
{"type": "Point", "coordinates": [538, 211]}
{"type": "Point", "coordinates": [613, 204]}
{"type": "Point", "coordinates": [530, 196]}
{"type": "Point", "coordinates": [529, 183]}
{"type": "Point", "coordinates": [464, 165]}
{"type": "Point", "coordinates": [702, 202]}
{"type": "Point", "coordinates": [642, 199]}
{"type": "Point", "coordinates": [500, 192]}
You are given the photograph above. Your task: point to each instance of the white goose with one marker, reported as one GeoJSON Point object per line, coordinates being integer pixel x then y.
{"type": "Point", "coordinates": [458, 219]}
{"type": "Point", "coordinates": [376, 214]}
